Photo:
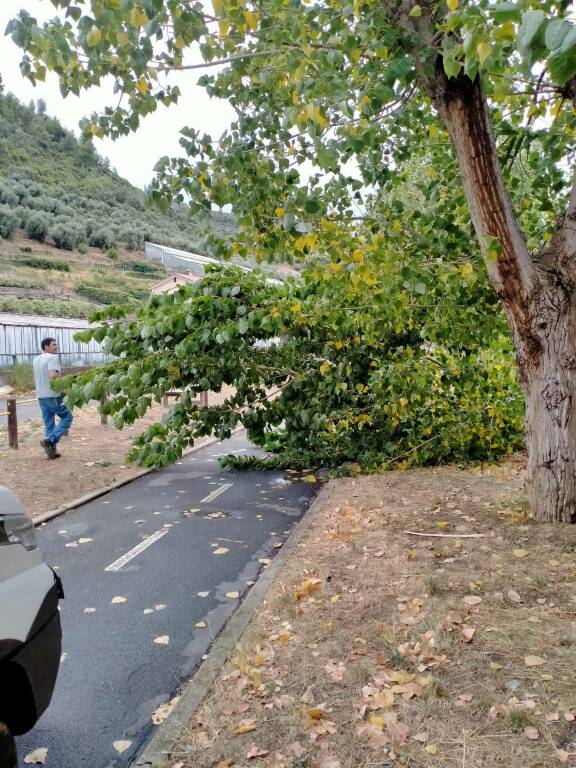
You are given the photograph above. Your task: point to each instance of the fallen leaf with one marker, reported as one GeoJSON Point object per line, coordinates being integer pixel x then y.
{"type": "Point", "coordinates": [162, 712]}
{"type": "Point", "coordinates": [264, 560]}
{"type": "Point", "coordinates": [71, 544]}
{"type": "Point", "coordinates": [118, 599]}
{"type": "Point", "coordinates": [377, 740]}
{"type": "Point", "coordinates": [221, 551]}
{"type": "Point", "coordinates": [329, 761]}
{"type": "Point", "coordinates": [421, 737]}
{"type": "Point", "coordinates": [307, 587]}
{"type": "Point", "coordinates": [89, 610]}
{"type": "Point", "coordinates": [335, 670]}
{"type": "Point", "coordinates": [245, 726]}
{"type": "Point", "coordinates": [37, 756]}
{"type": "Point", "coordinates": [228, 762]}
{"type": "Point", "coordinates": [569, 716]}
{"type": "Point", "coordinates": [468, 633]}
{"type": "Point", "coordinates": [519, 552]}
{"type": "Point", "coordinates": [562, 755]}
{"type": "Point", "coordinates": [308, 696]}
{"type": "Point", "coordinates": [472, 599]}
{"type": "Point", "coordinates": [160, 607]}
{"type": "Point", "coordinates": [310, 479]}
{"type": "Point", "coordinates": [254, 751]}
{"type": "Point", "coordinates": [534, 661]}
{"type": "Point", "coordinates": [495, 665]}
{"type": "Point", "coordinates": [463, 699]}
{"type": "Point", "coordinates": [297, 749]}
{"type": "Point", "coordinates": [233, 595]}
{"type": "Point", "coordinates": [162, 640]}
{"type": "Point", "coordinates": [513, 596]}
{"type": "Point", "coordinates": [552, 717]}
{"type": "Point", "coordinates": [85, 540]}
{"type": "Point", "coordinates": [203, 594]}
{"type": "Point", "coordinates": [148, 610]}
{"type": "Point", "coordinates": [431, 749]}
{"type": "Point", "coordinates": [531, 732]}
{"type": "Point", "coordinates": [200, 624]}
{"type": "Point", "coordinates": [121, 745]}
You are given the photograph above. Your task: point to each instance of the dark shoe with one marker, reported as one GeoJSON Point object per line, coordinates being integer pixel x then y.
{"type": "Point", "coordinates": [49, 447]}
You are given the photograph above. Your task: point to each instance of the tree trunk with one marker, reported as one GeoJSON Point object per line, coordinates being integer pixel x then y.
{"type": "Point", "coordinates": [538, 295]}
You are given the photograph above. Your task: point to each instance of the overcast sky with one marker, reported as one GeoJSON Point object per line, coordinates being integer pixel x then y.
{"type": "Point", "coordinates": [133, 156]}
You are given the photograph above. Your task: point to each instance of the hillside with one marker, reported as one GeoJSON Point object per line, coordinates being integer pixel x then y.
{"type": "Point", "coordinates": [67, 220]}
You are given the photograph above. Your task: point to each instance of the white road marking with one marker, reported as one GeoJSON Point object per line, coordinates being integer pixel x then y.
{"type": "Point", "coordinates": [216, 493]}
{"type": "Point", "coordinates": [117, 564]}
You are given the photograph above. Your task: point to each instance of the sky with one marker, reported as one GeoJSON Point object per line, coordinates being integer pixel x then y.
{"type": "Point", "coordinates": [132, 156]}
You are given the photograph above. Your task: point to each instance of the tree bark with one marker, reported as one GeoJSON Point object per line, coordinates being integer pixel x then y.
{"type": "Point", "coordinates": [538, 293]}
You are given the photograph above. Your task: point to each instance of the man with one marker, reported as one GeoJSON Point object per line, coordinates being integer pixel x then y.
{"type": "Point", "coordinates": [47, 368]}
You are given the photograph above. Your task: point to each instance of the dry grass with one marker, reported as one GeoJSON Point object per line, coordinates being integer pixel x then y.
{"type": "Point", "coordinates": [384, 662]}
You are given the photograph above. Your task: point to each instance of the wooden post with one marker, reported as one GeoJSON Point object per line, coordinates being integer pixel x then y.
{"type": "Point", "coordinates": [12, 423]}
{"type": "Point", "coordinates": [204, 399]}
{"type": "Point", "coordinates": [103, 417]}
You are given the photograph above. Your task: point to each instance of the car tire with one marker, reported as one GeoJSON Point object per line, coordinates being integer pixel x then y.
{"type": "Point", "coordinates": [8, 757]}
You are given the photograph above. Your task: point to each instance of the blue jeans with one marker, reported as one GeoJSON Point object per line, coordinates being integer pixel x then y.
{"type": "Point", "coordinates": [52, 407]}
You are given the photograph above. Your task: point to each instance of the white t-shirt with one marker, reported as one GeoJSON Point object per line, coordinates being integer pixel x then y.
{"type": "Point", "coordinates": [41, 365]}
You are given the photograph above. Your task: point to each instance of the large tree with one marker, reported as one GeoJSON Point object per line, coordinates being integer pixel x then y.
{"type": "Point", "coordinates": [347, 90]}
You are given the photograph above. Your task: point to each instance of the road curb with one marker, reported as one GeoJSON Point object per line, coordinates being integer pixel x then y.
{"type": "Point", "coordinates": [157, 753]}
{"type": "Point", "coordinates": [50, 515]}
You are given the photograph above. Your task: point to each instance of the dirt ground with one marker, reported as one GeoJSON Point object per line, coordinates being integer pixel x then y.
{"type": "Point", "coordinates": [93, 456]}
{"type": "Point", "coordinates": [378, 647]}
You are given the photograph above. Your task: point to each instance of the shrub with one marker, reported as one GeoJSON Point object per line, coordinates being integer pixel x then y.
{"type": "Point", "coordinates": [25, 249]}
{"type": "Point", "coordinates": [112, 253]}
{"type": "Point", "coordinates": [23, 214]}
{"type": "Point", "coordinates": [104, 295]}
{"type": "Point", "coordinates": [21, 377]}
{"type": "Point", "coordinates": [8, 221]}
{"type": "Point", "coordinates": [8, 196]}
{"type": "Point", "coordinates": [53, 307]}
{"type": "Point", "coordinates": [21, 282]}
{"type": "Point", "coordinates": [38, 225]}
{"type": "Point", "coordinates": [67, 235]}
{"type": "Point", "coordinates": [39, 263]}
{"type": "Point", "coordinates": [102, 238]}
{"type": "Point", "coordinates": [132, 238]}
{"type": "Point", "coordinates": [140, 267]}
{"type": "Point", "coordinates": [83, 248]}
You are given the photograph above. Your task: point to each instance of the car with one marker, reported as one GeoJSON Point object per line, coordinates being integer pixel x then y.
{"type": "Point", "coordinates": [30, 630]}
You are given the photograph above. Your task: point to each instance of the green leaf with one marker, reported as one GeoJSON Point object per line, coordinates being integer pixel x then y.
{"type": "Point", "coordinates": [452, 66]}
{"type": "Point", "coordinates": [531, 23]}
{"type": "Point", "coordinates": [562, 63]}
{"type": "Point", "coordinates": [556, 31]}
{"type": "Point", "coordinates": [93, 37]}
{"type": "Point", "coordinates": [506, 12]}
{"type": "Point", "coordinates": [416, 11]}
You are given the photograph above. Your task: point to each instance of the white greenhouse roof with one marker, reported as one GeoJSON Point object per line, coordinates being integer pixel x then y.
{"type": "Point", "coordinates": [42, 321]}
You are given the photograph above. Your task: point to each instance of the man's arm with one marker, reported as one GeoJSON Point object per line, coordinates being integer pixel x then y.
{"type": "Point", "coordinates": [53, 369]}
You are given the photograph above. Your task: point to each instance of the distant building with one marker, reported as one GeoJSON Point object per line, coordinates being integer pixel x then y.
{"type": "Point", "coordinates": [173, 281]}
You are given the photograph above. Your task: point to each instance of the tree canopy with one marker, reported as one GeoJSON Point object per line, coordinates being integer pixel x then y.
{"type": "Point", "coordinates": [369, 139]}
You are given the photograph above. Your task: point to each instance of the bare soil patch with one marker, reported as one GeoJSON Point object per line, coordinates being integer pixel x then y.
{"type": "Point", "coordinates": [93, 456]}
{"type": "Point", "coordinates": [376, 647]}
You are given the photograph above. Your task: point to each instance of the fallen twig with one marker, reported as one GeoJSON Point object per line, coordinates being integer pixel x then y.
{"type": "Point", "coordinates": [448, 535]}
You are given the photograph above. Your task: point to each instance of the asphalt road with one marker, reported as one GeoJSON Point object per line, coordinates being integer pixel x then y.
{"type": "Point", "coordinates": [113, 675]}
{"type": "Point", "coordinates": [24, 412]}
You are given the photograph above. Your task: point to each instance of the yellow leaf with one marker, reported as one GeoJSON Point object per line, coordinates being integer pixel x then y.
{"type": "Point", "coordinates": [93, 37]}
{"type": "Point", "coordinates": [441, 524]}
{"type": "Point", "coordinates": [221, 551]}
{"type": "Point", "coordinates": [483, 50]}
{"type": "Point", "coordinates": [179, 42]}
{"type": "Point", "coordinates": [232, 595]}
{"type": "Point", "coordinates": [416, 11]}
{"type": "Point", "coordinates": [279, 212]}
{"type": "Point", "coordinates": [452, 4]}
{"type": "Point", "coordinates": [245, 726]}
{"type": "Point", "coordinates": [520, 552]}
{"type": "Point", "coordinates": [122, 38]}
{"type": "Point", "coordinates": [200, 624]}
{"type": "Point", "coordinates": [251, 19]}
{"type": "Point", "coordinates": [431, 749]}
{"type": "Point", "coordinates": [142, 85]}
{"type": "Point", "coordinates": [138, 18]}
{"type": "Point", "coordinates": [218, 6]}
{"type": "Point", "coordinates": [310, 479]}
{"type": "Point", "coordinates": [325, 367]}
{"type": "Point", "coordinates": [223, 27]}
